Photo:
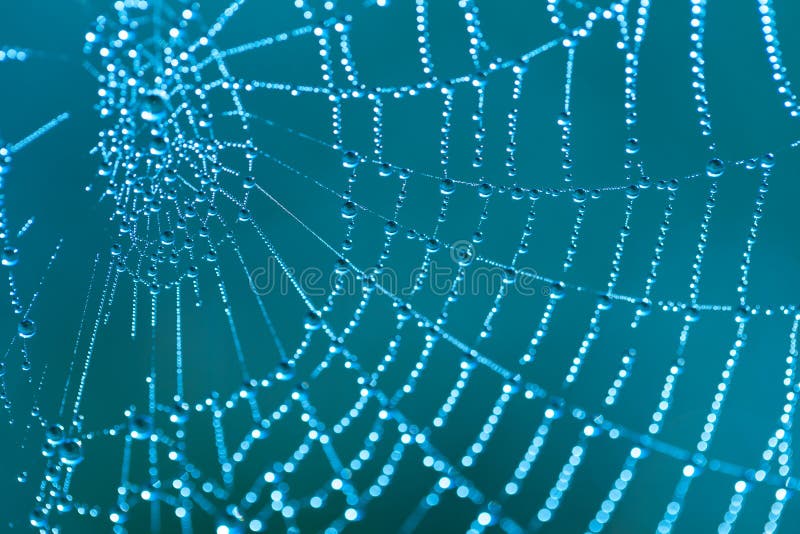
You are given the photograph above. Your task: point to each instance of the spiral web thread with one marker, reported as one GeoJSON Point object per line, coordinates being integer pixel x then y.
{"type": "Point", "coordinates": [179, 188]}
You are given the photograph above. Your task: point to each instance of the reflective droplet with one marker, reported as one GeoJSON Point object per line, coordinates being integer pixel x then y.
{"type": "Point", "coordinates": [557, 290]}
{"type": "Point", "coordinates": [644, 307]}
{"type": "Point", "coordinates": [10, 256]}
{"type": "Point", "coordinates": [715, 168]}
{"type": "Point", "coordinates": [313, 321]}
{"type": "Point", "coordinates": [70, 452]}
{"type": "Point", "coordinates": [154, 106]}
{"type": "Point", "coordinates": [385, 170]}
{"type": "Point", "coordinates": [743, 314]}
{"type": "Point", "coordinates": [158, 146]}
{"type": "Point", "coordinates": [463, 253]}
{"type": "Point", "coordinates": [350, 160]}
{"type": "Point", "coordinates": [390, 228]}
{"type": "Point", "coordinates": [26, 328]}
{"type": "Point", "coordinates": [447, 186]}
{"type": "Point", "coordinates": [54, 434]}
{"type": "Point", "coordinates": [167, 237]}
{"type": "Point", "coordinates": [349, 210]}
{"type": "Point", "coordinates": [404, 312]}
{"type": "Point", "coordinates": [38, 518]}
{"type": "Point", "coordinates": [140, 426]}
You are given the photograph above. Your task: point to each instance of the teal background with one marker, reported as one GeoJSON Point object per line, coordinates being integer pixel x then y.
{"type": "Point", "coordinates": [48, 181]}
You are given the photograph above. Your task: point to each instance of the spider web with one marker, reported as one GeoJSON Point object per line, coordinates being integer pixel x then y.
{"type": "Point", "coordinates": [322, 414]}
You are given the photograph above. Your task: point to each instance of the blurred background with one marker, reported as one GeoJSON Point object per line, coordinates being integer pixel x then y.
{"type": "Point", "coordinates": [55, 181]}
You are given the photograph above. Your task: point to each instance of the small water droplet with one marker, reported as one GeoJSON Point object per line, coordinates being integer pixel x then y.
{"type": "Point", "coordinates": [715, 168]}
{"type": "Point", "coordinates": [350, 160]}
{"type": "Point", "coordinates": [10, 256]}
{"type": "Point", "coordinates": [26, 328]}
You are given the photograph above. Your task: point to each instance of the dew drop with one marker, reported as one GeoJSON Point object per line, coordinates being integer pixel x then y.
{"type": "Point", "coordinates": [447, 186]}
{"type": "Point", "coordinates": [350, 160]}
{"type": "Point", "coordinates": [26, 328]}
{"type": "Point", "coordinates": [140, 426]}
{"type": "Point", "coordinates": [715, 168]}
{"type": "Point", "coordinates": [348, 210]}
{"type": "Point", "coordinates": [54, 434]}
{"type": "Point", "coordinates": [313, 321]}
{"type": "Point", "coordinates": [154, 106]}
{"type": "Point", "coordinates": [10, 256]}
{"type": "Point", "coordinates": [70, 452]}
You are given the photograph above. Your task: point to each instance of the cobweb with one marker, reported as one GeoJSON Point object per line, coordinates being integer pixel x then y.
{"type": "Point", "coordinates": [328, 325]}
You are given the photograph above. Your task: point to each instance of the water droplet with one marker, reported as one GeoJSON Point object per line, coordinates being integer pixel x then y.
{"type": "Point", "coordinates": [463, 253]}
{"type": "Point", "coordinates": [555, 408]}
{"type": "Point", "coordinates": [743, 314]}
{"type": "Point", "coordinates": [38, 518]}
{"type": "Point", "coordinates": [228, 524]}
{"type": "Point", "coordinates": [167, 237]}
{"type": "Point", "coordinates": [349, 210]}
{"type": "Point", "coordinates": [350, 160]}
{"type": "Point", "coordinates": [154, 106]}
{"type": "Point", "coordinates": [767, 161]}
{"type": "Point", "coordinates": [644, 307]}
{"type": "Point", "coordinates": [54, 434]}
{"type": "Point", "coordinates": [313, 321]}
{"type": "Point", "coordinates": [390, 228]}
{"type": "Point", "coordinates": [385, 170]}
{"type": "Point", "coordinates": [285, 371]}
{"type": "Point", "coordinates": [447, 186]}
{"type": "Point", "coordinates": [715, 168]}
{"type": "Point", "coordinates": [70, 452]}
{"type": "Point", "coordinates": [26, 328]}
{"type": "Point", "coordinates": [140, 426]}
{"type": "Point", "coordinates": [404, 312]}
{"type": "Point", "coordinates": [10, 256]}
{"type": "Point", "coordinates": [158, 145]}
{"type": "Point", "coordinates": [485, 190]}
{"type": "Point", "coordinates": [557, 290]}
{"type": "Point", "coordinates": [579, 196]}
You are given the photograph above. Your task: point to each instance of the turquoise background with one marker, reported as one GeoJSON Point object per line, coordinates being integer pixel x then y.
{"type": "Point", "coordinates": [49, 178]}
